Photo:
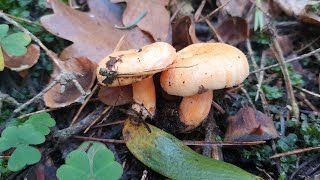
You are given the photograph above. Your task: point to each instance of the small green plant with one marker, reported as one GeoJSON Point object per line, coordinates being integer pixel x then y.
{"type": "Point", "coordinates": [14, 44]}
{"type": "Point", "coordinates": [92, 160]}
{"type": "Point", "coordinates": [258, 17]}
{"type": "Point", "coordinates": [272, 92]}
{"type": "Point", "coordinates": [31, 132]}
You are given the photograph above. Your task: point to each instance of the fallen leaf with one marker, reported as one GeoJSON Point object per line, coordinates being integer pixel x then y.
{"type": "Point", "coordinates": [183, 7]}
{"type": "Point", "coordinates": [92, 33]}
{"type": "Point", "coordinates": [292, 7]}
{"type": "Point", "coordinates": [233, 30]}
{"type": "Point", "coordinates": [53, 98]}
{"type": "Point", "coordinates": [310, 15]}
{"type": "Point", "coordinates": [115, 96]}
{"type": "Point", "coordinates": [250, 125]}
{"type": "Point", "coordinates": [157, 20]}
{"type": "Point", "coordinates": [236, 7]}
{"type": "Point", "coordinates": [183, 33]}
{"type": "Point", "coordinates": [20, 63]}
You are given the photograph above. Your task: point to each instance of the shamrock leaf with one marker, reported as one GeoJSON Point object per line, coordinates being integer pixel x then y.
{"type": "Point", "coordinates": [4, 28]}
{"type": "Point", "coordinates": [97, 164]}
{"type": "Point", "coordinates": [41, 122]}
{"type": "Point", "coordinates": [23, 155]}
{"type": "Point", "coordinates": [14, 44]}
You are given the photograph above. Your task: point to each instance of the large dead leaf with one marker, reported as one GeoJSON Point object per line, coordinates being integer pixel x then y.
{"type": "Point", "coordinates": [53, 98]}
{"type": "Point", "coordinates": [236, 7]}
{"type": "Point", "coordinates": [310, 15]}
{"type": "Point", "coordinates": [233, 30]}
{"type": "Point", "coordinates": [116, 96]}
{"type": "Point", "coordinates": [292, 7]}
{"type": "Point", "coordinates": [157, 20]}
{"type": "Point", "coordinates": [92, 33]}
{"type": "Point", "coordinates": [20, 63]}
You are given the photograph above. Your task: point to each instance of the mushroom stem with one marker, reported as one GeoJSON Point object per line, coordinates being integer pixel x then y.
{"type": "Point", "coordinates": [144, 98]}
{"type": "Point", "coordinates": [194, 109]}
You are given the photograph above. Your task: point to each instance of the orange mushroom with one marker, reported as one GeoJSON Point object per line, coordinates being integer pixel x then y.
{"type": "Point", "coordinates": [202, 68]}
{"type": "Point", "coordinates": [137, 67]}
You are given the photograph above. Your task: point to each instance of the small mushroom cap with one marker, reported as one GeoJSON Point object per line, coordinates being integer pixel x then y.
{"type": "Point", "coordinates": [134, 65]}
{"type": "Point", "coordinates": [205, 66]}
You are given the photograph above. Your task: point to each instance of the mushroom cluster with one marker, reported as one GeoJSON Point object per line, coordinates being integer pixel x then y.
{"type": "Point", "coordinates": [192, 73]}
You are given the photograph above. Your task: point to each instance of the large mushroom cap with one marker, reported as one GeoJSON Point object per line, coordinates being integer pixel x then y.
{"type": "Point", "coordinates": [131, 66]}
{"type": "Point", "coordinates": [205, 66]}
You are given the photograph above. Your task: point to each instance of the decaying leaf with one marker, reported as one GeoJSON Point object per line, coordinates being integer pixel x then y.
{"type": "Point", "coordinates": [20, 63]}
{"type": "Point", "coordinates": [115, 96]}
{"type": "Point", "coordinates": [233, 30]}
{"type": "Point", "coordinates": [183, 32]}
{"type": "Point", "coordinates": [82, 65]}
{"type": "Point", "coordinates": [292, 7]}
{"type": "Point", "coordinates": [250, 125]}
{"type": "Point", "coordinates": [157, 20]}
{"type": "Point", "coordinates": [310, 15]}
{"type": "Point", "coordinates": [235, 7]}
{"type": "Point", "coordinates": [183, 7]}
{"type": "Point", "coordinates": [285, 44]}
{"type": "Point", "coordinates": [92, 33]}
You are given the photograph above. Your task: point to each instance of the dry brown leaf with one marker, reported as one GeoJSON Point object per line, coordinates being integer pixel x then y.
{"type": "Point", "coordinates": [157, 20]}
{"type": "Point", "coordinates": [53, 98]}
{"type": "Point", "coordinates": [20, 63]}
{"type": "Point", "coordinates": [285, 44]}
{"type": "Point", "coordinates": [236, 7]}
{"type": "Point", "coordinates": [292, 7]}
{"type": "Point", "coordinates": [92, 33]}
{"type": "Point", "coordinates": [115, 96]}
{"type": "Point", "coordinates": [183, 33]}
{"type": "Point", "coordinates": [250, 125]}
{"type": "Point", "coordinates": [310, 17]}
{"type": "Point", "coordinates": [233, 30]}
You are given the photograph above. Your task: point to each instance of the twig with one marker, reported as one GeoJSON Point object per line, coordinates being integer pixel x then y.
{"type": "Point", "coordinates": [245, 92]}
{"type": "Point", "coordinates": [66, 133]}
{"type": "Point", "coordinates": [23, 20]}
{"type": "Point", "coordinates": [214, 30]}
{"type": "Point", "coordinates": [198, 12]}
{"type": "Point", "coordinates": [298, 151]}
{"type": "Point", "coordinates": [261, 75]}
{"type": "Point", "coordinates": [218, 107]}
{"type": "Point", "coordinates": [7, 98]}
{"type": "Point", "coordinates": [53, 83]}
{"type": "Point", "coordinates": [307, 45]}
{"type": "Point", "coordinates": [74, 120]}
{"type": "Point", "coordinates": [288, 61]}
{"type": "Point", "coordinates": [108, 124]}
{"type": "Point", "coordinates": [276, 49]}
{"type": "Point", "coordinates": [186, 142]}
{"type": "Point", "coordinates": [177, 11]}
{"type": "Point", "coordinates": [308, 92]}
{"type": "Point", "coordinates": [301, 96]}
{"type": "Point", "coordinates": [109, 108]}
{"type": "Point", "coordinates": [214, 11]}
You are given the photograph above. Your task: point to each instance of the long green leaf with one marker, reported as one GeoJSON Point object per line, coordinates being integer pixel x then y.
{"type": "Point", "coordinates": [168, 156]}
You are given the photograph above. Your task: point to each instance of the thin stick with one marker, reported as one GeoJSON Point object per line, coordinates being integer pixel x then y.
{"type": "Point", "coordinates": [186, 142]}
{"type": "Point", "coordinates": [23, 20]}
{"type": "Point", "coordinates": [108, 124]}
{"type": "Point", "coordinates": [214, 11]}
{"type": "Point", "coordinates": [218, 107]}
{"type": "Point", "coordinates": [74, 120]}
{"type": "Point", "coordinates": [288, 61]}
{"type": "Point", "coordinates": [53, 83]}
{"type": "Point", "coordinates": [97, 119]}
{"type": "Point", "coordinates": [276, 49]}
{"type": "Point", "coordinates": [214, 30]}
{"type": "Point", "coordinates": [245, 92]}
{"type": "Point", "coordinates": [177, 11]}
{"type": "Point", "coordinates": [198, 12]}
{"type": "Point", "coordinates": [308, 92]}
{"type": "Point", "coordinates": [298, 151]}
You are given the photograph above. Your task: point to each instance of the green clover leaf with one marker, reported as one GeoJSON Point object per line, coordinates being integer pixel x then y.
{"type": "Point", "coordinates": [23, 155]}
{"type": "Point", "coordinates": [41, 122]}
{"type": "Point", "coordinates": [15, 44]}
{"type": "Point", "coordinates": [97, 164]}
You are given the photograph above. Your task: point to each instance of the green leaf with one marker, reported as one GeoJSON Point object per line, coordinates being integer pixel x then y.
{"type": "Point", "coordinates": [22, 156]}
{"type": "Point", "coordinates": [25, 134]}
{"type": "Point", "coordinates": [4, 28]}
{"type": "Point", "coordinates": [97, 164]}
{"type": "Point", "coordinates": [1, 60]}
{"type": "Point", "coordinates": [14, 44]}
{"type": "Point", "coordinates": [168, 156]}
{"type": "Point", "coordinates": [41, 122]}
